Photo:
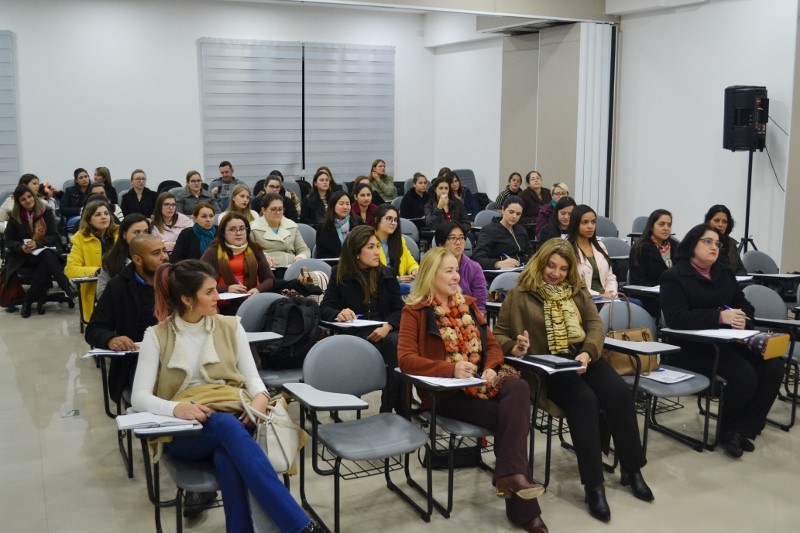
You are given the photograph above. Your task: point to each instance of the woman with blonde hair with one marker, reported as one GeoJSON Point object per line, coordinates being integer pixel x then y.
{"type": "Point", "coordinates": [382, 182]}
{"type": "Point", "coordinates": [550, 312]}
{"type": "Point", "coordinates": [240, 203]}
{"type": "Point", "coordinates": [444, 334]}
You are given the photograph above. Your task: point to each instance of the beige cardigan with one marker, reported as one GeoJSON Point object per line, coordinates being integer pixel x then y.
{"type": "Point", "coordinates": [285, 247]}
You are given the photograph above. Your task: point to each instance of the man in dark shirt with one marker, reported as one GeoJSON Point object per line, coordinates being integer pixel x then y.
{"type": "Point", "coordinates": [222, 187]}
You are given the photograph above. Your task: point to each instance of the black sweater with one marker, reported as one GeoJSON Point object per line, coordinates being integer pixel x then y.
{"type": "Point", "coordinates": [495, 240]}
{"type": "Point", "coordinates": [328, 244]}
{"type": "Point", "coordinates": [349, 295]}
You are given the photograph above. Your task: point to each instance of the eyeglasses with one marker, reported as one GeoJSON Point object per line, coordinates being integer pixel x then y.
{"type": "Point", "coordinates": [456, 240]}
{"type": "Point", "coordinates": [560, 194]}
{"type": "Point", "coordinates": [276, 209]}
{"type": "Point", "coordinates": [172, 206]}
{"type": "Point", "coordinates": [195, 181]}
{"type": "Point", "coordinates": [391, 220]}
{"type": "Point", "coordinates": [708, 241]}
{"type": "Point", "coordinates": [274, 187]}
{"type": "Point", "coordinates": [240, 229]}
{"type": "Point", "coordinates": [140, 179]}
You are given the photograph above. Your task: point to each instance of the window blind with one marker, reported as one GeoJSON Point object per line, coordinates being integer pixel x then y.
{"type": "Point", "coordinates": [9, 152]}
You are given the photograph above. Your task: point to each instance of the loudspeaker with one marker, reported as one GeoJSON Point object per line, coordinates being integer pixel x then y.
{"type": "Point", "coordinates": [746, 115]}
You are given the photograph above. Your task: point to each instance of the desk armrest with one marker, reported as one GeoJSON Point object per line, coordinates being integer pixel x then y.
{"type": "Point", "coordinates": [318, 400]}
{"type": "Point", "coordinates": [777, 322]}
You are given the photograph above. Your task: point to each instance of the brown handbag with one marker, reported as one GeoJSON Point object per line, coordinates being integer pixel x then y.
{"type": "Point", "coordinates": [11, 290]}
{"type": "Point", "coordinates": [621, 362]}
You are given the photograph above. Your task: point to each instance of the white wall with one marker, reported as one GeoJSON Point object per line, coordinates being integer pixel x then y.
{"type": "Point", "coordinates": [674, 67]}
{"type": "Point", "coordinates": [116, 83]}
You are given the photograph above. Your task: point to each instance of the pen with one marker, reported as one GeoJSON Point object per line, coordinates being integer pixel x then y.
{"type": "Point", "coordinates": [504, 256]}
{"type": "Point", "coordinates": [359, 316]}
{"type": "Point", "coordinates": [728, 307]}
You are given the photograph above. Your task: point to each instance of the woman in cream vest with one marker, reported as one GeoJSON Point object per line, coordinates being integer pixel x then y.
{"type": "Point", "coordinates": [277, 235]}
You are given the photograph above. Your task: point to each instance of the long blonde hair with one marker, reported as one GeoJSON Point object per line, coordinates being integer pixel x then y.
{"type": "Point", "coordinates": [531, 278]}
{"type": "Point", "coordinates": [426, 275]}
{"type": "Point", "coordinates": [246, 212]}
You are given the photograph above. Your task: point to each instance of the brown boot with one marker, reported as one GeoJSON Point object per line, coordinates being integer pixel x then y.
{"type": "Point", "coordinates": [518, 484]}
{"type": "Point", "coordinates": [536, 525]}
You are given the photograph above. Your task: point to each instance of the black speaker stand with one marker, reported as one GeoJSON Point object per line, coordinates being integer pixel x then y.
{"type": "Point", "coordinates": [747, 238]}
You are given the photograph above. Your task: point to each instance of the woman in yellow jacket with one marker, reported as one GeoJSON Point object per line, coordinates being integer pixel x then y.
{"type": "Point", "coordinates": [96, 235]}
{"type": "Point", "coordinates": [394, 252]}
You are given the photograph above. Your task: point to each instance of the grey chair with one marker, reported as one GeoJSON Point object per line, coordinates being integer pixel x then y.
{"type": "Point", "coordinates": [410, 229]}
{"type": "Point", "coordinates": [770, 315]}
{"type": "Point", "coordinates": [606, 227]}
{"type": "Point", "coordinates": [308, 234]}
{"type": "Point", "coordinates": [412, 247]}
{"type": "Point", "coordinates": [176, 190]}
{"type": "Point", "coordinates": [505, 281]}
{"type": "Point", "coordinates": [409, 183]}
{"type": "Point", "coordinates": [337, 371]}
{"type": "Point", "coordinates": [396, 203]}
{"type": "Point", "coordinates": [292, 186]}
{"type": "Point", "coordinates": [757, 262]}
{"type": "Point", "coordinates": [490, 206]}
{"type": "Point", "coordinates": [637, 228]}
{"type": "Point", "coordinates": [619, 252]}
{"type": "Point", "coordinates": [252, 315]}
{"type": "Point", "coordinates": [467, 177]}
{"type": "Point", "coordinates": [293, 271]}
{"type": "Point", "coordinates": [485, 217]}
{"type": "Point", "coordinates": [121, 185]}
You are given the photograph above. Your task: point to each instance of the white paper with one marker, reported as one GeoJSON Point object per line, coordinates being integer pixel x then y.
{"type": "Point", "coordinates": [737, 334]}
{"type": "Point", "coordinates": [548, 369]}
{"type": "Point", "coordinates": [744, 278]}
{"type": "Point", "coordinates": [451, 382]}
{"type": "Point", "coordinates": [40, 250]}
{"type": "Point", "coordinates": [101, 351]}
{"type": "Point", "coordinates": [232, 295]}
{"type": "Point", "coordinates": [168, 429]}
{"type": "Point", "coordinates": [357, 323]}
{"type": "Point", "coordinates": [775, 276]}
{"type": "Point", "coordinates": [501, 270]}
{"type": "Point", "coordinates": [641, 288]}
{"type": "Point", "coordinates": [83, 279]}
{"type": "Point", "coordinates": [664, 375]}
{"type": "Point", "coordinates": [149, 420]}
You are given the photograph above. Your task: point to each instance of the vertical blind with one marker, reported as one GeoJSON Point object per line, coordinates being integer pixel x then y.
{"type": "Point", "coordinates": [296, 106]}
{"type": "Point", "coordinates": [9, 153]}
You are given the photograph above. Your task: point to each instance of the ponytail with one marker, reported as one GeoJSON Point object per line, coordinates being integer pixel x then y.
{"type": "Point", "coordinates": [161, 282]}
{"type": "Point", "coordinates": [172, 282]}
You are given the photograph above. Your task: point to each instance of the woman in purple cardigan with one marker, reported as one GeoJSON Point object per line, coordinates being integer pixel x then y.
{"type": "Point", "coordinates": [451, 236]}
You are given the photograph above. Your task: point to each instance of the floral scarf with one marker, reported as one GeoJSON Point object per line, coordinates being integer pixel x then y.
{"type": "Point", "coordinates": [562, 322]}
{"type": "Point", "coordinates": [342, 227]}
{"type": "Point", "coordinates": [35, 221]}
{"type": "Point", "coordinates": [664, 249]}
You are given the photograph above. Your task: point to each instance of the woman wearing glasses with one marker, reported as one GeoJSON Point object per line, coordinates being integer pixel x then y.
{"type": "Point", "coordinates": [700, 292]}
{"type": "Point", "coordinates": [277, 235]}
{"type": "Point", "coordinates": [167, 222]}
{"type": "Point", "coordinates": [394, 252]}
{"type": "Point", "coordinates": [274, 184]}
{"type": "Point", "coordinates": [451, 236]}
{"type": "Point", "coordinates": [139, 199]}
{"type": "Point", "coordinates": [193, 194]}
{"type": "Point", "coordinates": [547, 212]}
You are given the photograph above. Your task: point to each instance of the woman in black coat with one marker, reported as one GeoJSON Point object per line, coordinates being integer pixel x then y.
{"type": "Point", "coordinates": [193, 242]}
{"type": "Point", "coordinates": [339, 221]}
{"type": "Point", "coordinates": [360, 287]}
{"type": "Point", "coordinates": [700, 292]}
{"type": "Point", "coordinates": [503, 243]}
{"type": "Point", "coordinates": [32, 227]}
{"type": "Point", "coordinates": [443, 207]}
{"type": "Point", "coordinates": [652, 254]}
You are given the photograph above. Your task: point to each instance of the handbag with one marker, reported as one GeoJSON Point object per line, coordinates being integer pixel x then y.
{"type": "Point", "coordinates": [314, 278]}
{"type": "Point", "coordinates": [276, 433]}
{"type": "Point", "coordinates": [11, 290]}
{"type": "Point", "coordinates": [622, 362]}
{"type": "Point", "coordinates": [768, 345]}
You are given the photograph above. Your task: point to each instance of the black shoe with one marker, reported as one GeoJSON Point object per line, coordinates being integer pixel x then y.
{"type": "Point", "coordinates": [638, 486]}
{"type": "Point", "coordinates": [195, 503]}
{"type": "Point", "coordinates": [25, 311]}
{"type": "Point", "coordinates": [70, 291]}
{"type": "Point", "coordinates": [598, 506]}
{"type": "Point", "coordinates": [731, 443]}
{"type": "Point", "coordinates": [747, 445]}
{"type": "Point", "coordinates": [40, 310]}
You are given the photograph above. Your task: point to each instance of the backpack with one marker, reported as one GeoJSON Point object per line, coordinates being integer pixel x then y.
{"type": "Point", "coordinates": [297, 319]}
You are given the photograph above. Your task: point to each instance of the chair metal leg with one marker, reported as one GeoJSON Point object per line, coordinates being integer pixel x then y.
{"type": "Point", "coordinates": [790, 397]}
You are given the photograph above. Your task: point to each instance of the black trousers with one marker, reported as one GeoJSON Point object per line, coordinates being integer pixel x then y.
{"type": "Point", "coordinates": [753, 383]}
{"type": "Point", "coordinates": [582, 397]}
{"type": "Point", "coordinates": [508, 415]}
{"type": "Point", "coordinates": [393, 396]}
{"type": "Point", "coordinates": [48, 267]}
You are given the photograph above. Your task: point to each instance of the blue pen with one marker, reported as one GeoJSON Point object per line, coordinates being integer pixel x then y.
{"type": "Point", "coordinates": [728, 307]}
{"type": "Point", "coordinates": [359, 316]}
{"type": "Point", "coordinates": [504, 256]}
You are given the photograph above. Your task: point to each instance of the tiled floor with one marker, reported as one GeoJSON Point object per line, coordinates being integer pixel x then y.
{"type": "Point", "coordinates": [64, 474]}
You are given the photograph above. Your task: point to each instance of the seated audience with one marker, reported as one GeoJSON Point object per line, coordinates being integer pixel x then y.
{"type": "Point", "coordinates": [700, 292]}
{"type": "Point", "coordinates": [32, 183]}
{"type": "Point", "coordinates": [513, 188]}
{"type": "Point", "coordinates": [719, 217]}
{"type": "Point", "coordinates": [193, 242]}
{"type": "Point", "coordinates": [503, 243]}
{"type": "Point", "coordinates": [394, 250]}
{"type": "Point", "coordinates": [194, 193]}
{"type": "Point", "coordinates": [222, 187]}
{"type": "Point", "coordinates": [502, 405]}
{"type": "Point", "coordinates": [376, 197]}
{"type": "Point", "coordinates": [461, 193]}
{"type": "Point", "coordinates": [558, 227]}
{"type": "Point", "coordinates": [185, 305]}
{"type": "Point", "coordinates": [594, 265]}
{"type": "Point", "coordinates": [32, 226]}
{"type": "Point", "coordinates": [360, 287]}
{"type": "Point", "coordinates": [338, 223]}
{"type": "Point", "coordinates": [119, 256]}
{"type": "Point", "coordinates": [72, 198]}
{"type": "Point", "coordinates": [278, 236]}
{"type": "Point", "coordinates": [99, 190]}
{"type": "Point", "coordinates": [167, 222]}
{"type": "Point", "coordinates": [549, 312]}
{"type": "Point", "coordinates": [288, 194]}
{"type": "Point", "coordinates": [362, 203]}
{"type": "Point", "coordinates": [547, 212]}
{"type": "Point", "coordinates": [139, 199]}
{"type": "Point", "coordinates": [316, 203]}
{"type": "Point", "coordinates": [651, 255]}
{"type": "Point", "coordinates": [413, 204]}
{"type": "Point", "coordinates": [534, 197]}
{"type": "Point", "coordinates": [96, 234]}
{"type": "Point", "coordinates": [382, 182]}
{"type": "Point", "coordinates": [103, 175]}
{"type": "Point", "coordinates": [273, 184]}
{"type": "Point", "coordinates": [240, 203]}
{"type": "Point", "coordinates": [449, 235]}
{"type": "Point", "coordinates": [442, 207]}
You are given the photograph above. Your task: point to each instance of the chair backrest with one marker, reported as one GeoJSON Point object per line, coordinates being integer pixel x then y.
{"type": "Point", "coordinates": [616, 246]}
{"type": "Point", "coordinates": [5, 195]}
{"type": "Point", "coordinates": [410, 229]}
{"type": "Point", "coordinates": [606, 227]}
{"type": "Point", "coordinates": [345, 364]}
{"type": "Point", "coordinates": [253, 310]}
{"type": "Point", "coordinates": [176, 190]}
{"type": "Point", "coordinates": [396, 203]}
{"type": "Point", "coordinates": [412, 247]}
{"type": "Point", "coordinates": [639, 318]}
{"type": "Point", "coordinates": [409, 183]}
{"type": "Point", "coordinates": [70, 182]}
{"type": "Point", "coordinates": [467, 177]}
{"type": "Point", "coordinates": [638, 225]}
{"type": "Point", "coordinates": [400, 187]}
{"type": "Point", "coordinates": [308, 234]}
{"type": "Point", "coordinates": [491, 206]}
{"type": "Point", "coordinates": [121, 185]}
{"type": "Point", "coordinates": [755, 261]}
{"type": "Point", "coordinates": [485, 217]}
{"type": "Point", "coordinates": [767, 302]}
{"type": "Point", "coordinates": [290, 185]}
{"type": "Point", "coordinates": [293, 271]}
{"type": "Point", "coordinates": [167, 185]}
{"type": "Point", "coordinates": [505, 281]}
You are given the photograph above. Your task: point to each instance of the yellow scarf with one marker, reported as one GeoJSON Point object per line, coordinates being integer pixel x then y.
{"type": "Point", "coordinates": [562, 322]}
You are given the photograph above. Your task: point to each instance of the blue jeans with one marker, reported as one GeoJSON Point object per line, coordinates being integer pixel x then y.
{"type": "Point", "coordinates": [241, 466]}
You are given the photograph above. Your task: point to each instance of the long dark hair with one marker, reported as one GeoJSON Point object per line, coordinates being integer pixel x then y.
{"type": "Point", "coordinates": [565, 201]}
{"type": "Point", "coordinates": [719, 208]}
{"type": "Point", "coordinates": [330, 213]}
{"type": "Point", "coordinates": [19, 192]}
{"type": "Point", "coordinates": [574, 226]}
{"type": "Point", "coordinates": [349, 268]}
{"type": "Point", "coordinates": [158, 216]}
{"type": "Point", "coordinates": [317, 174]}
{"type": "Point", "coordinates": [116, 258]}
{"type": "Point", "coordinates": [394, 240]}
{"type": "Point", "coordinates": [689, 243]}
{"type": "Point", "coordinates": [647, 234]}
{"type": "Point", "coordinates": [171, 282]}
{"type": "Point", "coordinates": [433, 199]}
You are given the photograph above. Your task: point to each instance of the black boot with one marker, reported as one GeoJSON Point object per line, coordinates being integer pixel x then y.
{"type": "Point", "coordinates": [25, 311]}
{"type": "Point", "coordinates": [598, 506]}
{"type": "Point", "coordinates": [638, 486]}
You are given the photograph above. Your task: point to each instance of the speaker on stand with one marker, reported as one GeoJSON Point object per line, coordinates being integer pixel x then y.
{"type": "Point", "coordinates": [745, 128]}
